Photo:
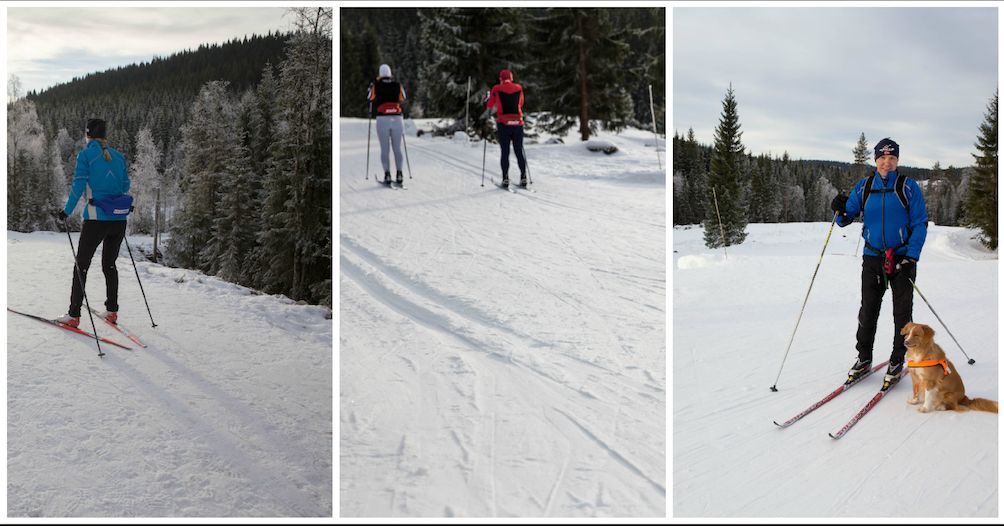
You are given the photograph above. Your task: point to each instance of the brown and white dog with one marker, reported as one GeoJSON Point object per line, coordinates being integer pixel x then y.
{"type": "Point", "coordinates": [936, 383]}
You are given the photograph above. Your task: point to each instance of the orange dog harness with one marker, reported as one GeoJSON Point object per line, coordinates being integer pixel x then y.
{"type": "Point", "coordinates": [931, 363]}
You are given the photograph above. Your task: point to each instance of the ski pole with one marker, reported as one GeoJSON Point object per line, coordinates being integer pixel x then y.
{"type": "Point", "coordinates": [527, 163]}
{"type": "Point", "coordinates": [80, 279]}
{"type": "Point", "coordinates": [369, 130]}
{"type": "Point", "coordinates": [832, 222]}
{"type": "Point", "coordinates": [403, 134]}
{"type": "Point", "coordinates": [484, 153]}
{"type": "Point", "coordinates": [139, 281]}
{"type": "Point", "coordinates": [971, 361]}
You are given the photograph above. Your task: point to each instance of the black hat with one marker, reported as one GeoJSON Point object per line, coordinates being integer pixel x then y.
{"type": "Point", "coordinates": [886, 146]}
{"type": "Point", "coordinates": [95, 129]}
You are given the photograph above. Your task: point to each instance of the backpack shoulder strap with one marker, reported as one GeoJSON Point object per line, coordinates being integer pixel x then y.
{"type": "Point", "coordinates": [868, 190]}
{"type": "Point", "coordinates": [901, 191]}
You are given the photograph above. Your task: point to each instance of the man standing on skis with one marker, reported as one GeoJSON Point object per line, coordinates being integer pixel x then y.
{"type": "Point", "coordinates": [386, 96]}
{"type": "Point", "coordinates": [507, 99]}
{"type": "Point", "coordinates": [894, 230]}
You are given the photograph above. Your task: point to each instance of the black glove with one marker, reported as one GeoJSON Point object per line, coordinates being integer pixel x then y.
{"type": "Point", "coordinates": [909, 266]}
{"type": "Point", "coordinates": [839, 204]}
{"type": "Point", "coordinates": [62, 215]}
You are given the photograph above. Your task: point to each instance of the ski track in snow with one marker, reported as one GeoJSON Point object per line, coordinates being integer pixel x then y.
{"type": "Point", "coordinates": [733, 320]}
{"type": "Point", "coordinates": [226, 413]}
{"type": "Point", "coordinates": [500, 355]}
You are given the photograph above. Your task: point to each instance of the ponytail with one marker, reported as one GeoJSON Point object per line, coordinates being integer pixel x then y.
{"type": "Point", "coordinates": [104, 146]}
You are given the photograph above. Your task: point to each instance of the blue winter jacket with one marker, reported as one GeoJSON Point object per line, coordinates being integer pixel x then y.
{"type": "Point", "coordinates": [96, 178]}
{"type": "Point", "coordinates": [887, 224]}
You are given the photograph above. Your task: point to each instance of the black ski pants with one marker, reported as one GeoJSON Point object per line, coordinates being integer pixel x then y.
{"type": "Point", "coordinates": [513, 134]}
{"type": "Point", "coordinates": [874, 282]}
{"type": "Point", "coordinates": [109, 234]}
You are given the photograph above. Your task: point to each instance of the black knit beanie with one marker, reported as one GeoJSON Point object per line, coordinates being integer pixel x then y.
{"type": "Point", "coordinates": [95, 129]}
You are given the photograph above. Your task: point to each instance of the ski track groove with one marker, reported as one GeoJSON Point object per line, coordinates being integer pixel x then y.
{"type": "Point", "coordinates": [211, 434]}
{"type": "Point", "coordinates": [631, 467]}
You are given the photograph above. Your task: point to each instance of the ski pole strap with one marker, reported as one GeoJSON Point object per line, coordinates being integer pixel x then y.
{"type": "Point", "coordinates": [931, 363]}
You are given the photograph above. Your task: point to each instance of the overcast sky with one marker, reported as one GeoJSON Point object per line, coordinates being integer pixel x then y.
{"type": "Point", "coordinates": [810, 80]}
{"type": "Point", "coordinates": [52, 45]}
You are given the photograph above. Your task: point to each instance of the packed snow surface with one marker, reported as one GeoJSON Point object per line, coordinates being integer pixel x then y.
{"type": "Point", "coordinates": [502, 354]}
{"type": "Point", "coordinates": [733, 319]}
{"type": "Point", "coordinates": [226, 412]}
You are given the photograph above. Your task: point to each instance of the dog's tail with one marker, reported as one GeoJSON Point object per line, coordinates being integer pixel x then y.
{"type": "Point", "coordinates": [979, 404]}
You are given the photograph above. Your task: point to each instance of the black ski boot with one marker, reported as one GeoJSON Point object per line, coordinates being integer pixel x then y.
{"type": "Point", "coordinates": [505, 180]}
{"type": "Point", "coordinates": [400, 177]}
{"type": "Point", "coordinates": [522, 180]}
{"type": "Point", "coordinates": [859, 369]}
{"type": "Point", "coordinates": [892, 375]}
{"type": "Point", "coordinates": [386, 177]}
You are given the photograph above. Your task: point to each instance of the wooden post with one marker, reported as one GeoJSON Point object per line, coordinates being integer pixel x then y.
{"type": "Point", "coordinates": [651, 106]}
{"type": "Point", "coordinates": [156, 224]}
{"type": "Point", "coordinates": [720, 227]}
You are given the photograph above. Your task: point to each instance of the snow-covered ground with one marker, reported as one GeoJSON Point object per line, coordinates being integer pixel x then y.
{"type": "Point", "coordinates": [502, 355]}
{"type": "Point", "coordinates": [732, 322]}
{"type": "Point", "coordinates": [226, 413]}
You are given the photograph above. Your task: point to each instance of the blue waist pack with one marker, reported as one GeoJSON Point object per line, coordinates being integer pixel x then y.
{"type": "Point", "coordinates": [115, 206]}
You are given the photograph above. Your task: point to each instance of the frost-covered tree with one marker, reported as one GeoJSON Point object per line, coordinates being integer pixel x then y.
{"type": "Point", "coordinates": [725, 193]}
{"type": "Point", "coordinates": [981, 201]}
{"type": "Point", "coordinates": [295, 254]}
{"type": "Point", "coordinates": [582, 73]}
{"type": "Point", "coordinates": [144, 179]}
{"type": "Point", "coordinates": [818, 201]}
{"type": "Point", "coordinates": [236, 227]}
{"type": "Point", "coordinates": [31, 190]}
{"type": "Point", "coordinates": [209, 142]}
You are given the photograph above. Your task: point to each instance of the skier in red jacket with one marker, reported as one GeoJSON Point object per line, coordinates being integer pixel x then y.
{"type": "Point", "coordinates": [507, 99]}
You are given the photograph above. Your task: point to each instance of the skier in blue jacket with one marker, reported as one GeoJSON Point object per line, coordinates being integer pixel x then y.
{"type": "Point", "coordinates": [894, 231]}
{"type": "Point", "coordinates": [100, 174]}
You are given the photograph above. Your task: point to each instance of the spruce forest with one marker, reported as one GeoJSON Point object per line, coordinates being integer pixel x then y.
{"type": "Point", "coordinates": [586, 69]}
{"type": "Point", "coordinates": [723, 187]}
{"type": "Point", "coordinates": [229, 151]}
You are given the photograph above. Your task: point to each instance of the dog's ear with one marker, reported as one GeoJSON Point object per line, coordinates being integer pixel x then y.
{"type": "Point", "coordinates": [906, 329]}
{"type": "Point", "coordinates": [928, 332]}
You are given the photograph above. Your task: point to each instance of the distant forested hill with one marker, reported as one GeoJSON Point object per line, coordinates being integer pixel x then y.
{"type": "Point", "coordinates": [158, 94]}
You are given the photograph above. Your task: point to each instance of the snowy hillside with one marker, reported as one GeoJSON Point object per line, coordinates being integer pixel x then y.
{"type": "Point", "coordinates": [502, 354]}
{"type": "Point", "coordinates": [226, 413]}
{"type": "Point", "coordinates": [732, 321]}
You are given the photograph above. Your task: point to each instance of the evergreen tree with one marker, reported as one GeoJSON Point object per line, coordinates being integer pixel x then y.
{"type": "Point", "coordinates": [209, 143]}
{"type": "Point", "coordinates": [475, 44]}
{"type": "Point", "coordinates": [295, 256]}
{"type": "Point", "coordinates": [725, 193]}
{"type": "Point", "coordinates": [981, 201]}
{"type": "Point", "coordinates": [765, 193]}
{"type": "Point", "coordinates": [236, 227]}
{"type": "Point", "coordinates": [583, 56]}
{"type": "Point", "coordinates": [817, 203]}
{"type": "Point", "coordinates": [359, 60]}
{"type": "Point", "coordinates": [860, 168]}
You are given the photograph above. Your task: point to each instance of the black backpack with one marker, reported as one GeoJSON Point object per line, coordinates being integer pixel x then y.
{"type": "Point", "coordinates": [899, 187]}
